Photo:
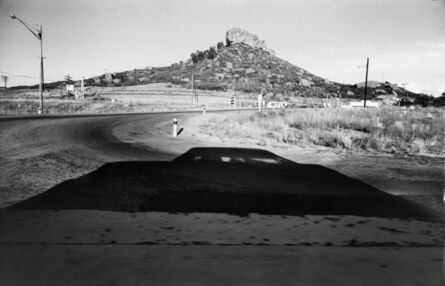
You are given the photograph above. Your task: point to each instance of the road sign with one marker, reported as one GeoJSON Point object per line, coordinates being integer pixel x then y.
{"type": "Point", "coordinates": [175, 127]}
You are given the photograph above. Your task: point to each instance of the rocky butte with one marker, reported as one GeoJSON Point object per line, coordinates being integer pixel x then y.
{"type": "Point", "coordinates": [237, 35]}
{"type": "Point", "coordinates": [244, 64]}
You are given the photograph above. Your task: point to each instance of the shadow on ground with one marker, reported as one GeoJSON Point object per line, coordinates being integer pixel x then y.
{"type": "Point", "coordinates": [226, 180]}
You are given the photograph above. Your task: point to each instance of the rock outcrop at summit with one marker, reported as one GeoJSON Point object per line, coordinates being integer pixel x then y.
{"type": "Point", "coordinates": [237, 35]}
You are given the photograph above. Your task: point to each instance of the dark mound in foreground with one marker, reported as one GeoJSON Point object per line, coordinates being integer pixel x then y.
{"type": "Point", "coordinates": [226, 180]}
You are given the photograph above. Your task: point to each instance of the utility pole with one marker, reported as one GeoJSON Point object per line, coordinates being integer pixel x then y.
{"type": "Point", "coordinates": [366, 81]}
{"type": "Point", "coordinates": [5, 80]}
{"type": "Point", "coordinates": [192, 87]}
{"type": "Point", "coordinates": [68, 79]}
{"type": "Point", "coordinates": [82, 88]}
{"type": "Point", "coordinates": [236, 87]}
{"type": "Point", "coordinates": [38, 33]}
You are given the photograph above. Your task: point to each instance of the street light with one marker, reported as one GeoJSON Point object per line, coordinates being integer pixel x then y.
{"type": "Point", "coordinates": [38, 34]}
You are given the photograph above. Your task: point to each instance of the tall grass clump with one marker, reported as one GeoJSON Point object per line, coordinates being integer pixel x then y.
{"type": "Point", "coordinates": [388, 130]}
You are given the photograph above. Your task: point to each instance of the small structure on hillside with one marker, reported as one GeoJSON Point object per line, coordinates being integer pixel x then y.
{"type": "Point", "coordinates": [388, 100]}
{"type": "Point", "coordinates": [369, 103]}
{"type": "Point", "coordinates": [70, 88]}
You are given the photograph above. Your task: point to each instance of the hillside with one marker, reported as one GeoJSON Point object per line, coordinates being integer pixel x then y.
{"type": "Point", "coordinates": [245, 64]}
{"type": "Point", "coordinates": [237, 66]}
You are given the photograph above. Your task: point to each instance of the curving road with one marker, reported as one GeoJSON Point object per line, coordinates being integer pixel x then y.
{"type": "Point", "coordinates": [86, 135]}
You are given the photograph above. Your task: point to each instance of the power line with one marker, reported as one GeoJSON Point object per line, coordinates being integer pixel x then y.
{"type": "Point", "coordinates": [20, 75]}
{"type": "Point", "coordinates": [27, 76]}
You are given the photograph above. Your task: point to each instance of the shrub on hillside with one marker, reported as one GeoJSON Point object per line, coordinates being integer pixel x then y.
{"type": "Point", "coordinates": [211, 86]}
{"type": "Point", "coordinates": [423, 100]}
{"type": "Point", "coordinates": [177, 81]}
{"type": "Point", "coordinates": [439, 101]}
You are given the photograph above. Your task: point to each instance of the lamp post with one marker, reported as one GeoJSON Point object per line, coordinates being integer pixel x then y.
{"type": "Point", "coordinates": [38, 34]}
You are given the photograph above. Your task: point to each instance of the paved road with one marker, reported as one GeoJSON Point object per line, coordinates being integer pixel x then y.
{"type": "Point", "coordinates": [89, 135]}
{"type": "Point", "coordinates": [93, 133]}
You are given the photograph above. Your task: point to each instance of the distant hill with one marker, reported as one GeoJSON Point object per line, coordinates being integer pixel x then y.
{"type": "Point", "coordinates": [246, 64]}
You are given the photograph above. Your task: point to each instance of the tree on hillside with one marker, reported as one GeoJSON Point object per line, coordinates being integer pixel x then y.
{"type": "Point", "coordinates": [211, 53]}
{"type": "Point", "coordinates": [194, 57]}
{"type": "Point", "coordinates": [219, 45]}
{"type": "Point", "coordinates": [201, 55]}
{"type": "Point", "coordinates": [198, 56]}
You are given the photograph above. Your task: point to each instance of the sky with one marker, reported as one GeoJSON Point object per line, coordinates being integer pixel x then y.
{"type": "Point", "coordinates": [404, 39]}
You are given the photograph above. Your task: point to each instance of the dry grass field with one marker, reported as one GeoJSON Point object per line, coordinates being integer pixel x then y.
{"type": "Point", "coordinates": [391, 130]}
{"type": "Point", "coordinates": [127, 99]}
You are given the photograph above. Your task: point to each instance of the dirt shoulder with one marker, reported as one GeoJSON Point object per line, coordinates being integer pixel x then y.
{"type": "Point", "coordinates": [420, 178]}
